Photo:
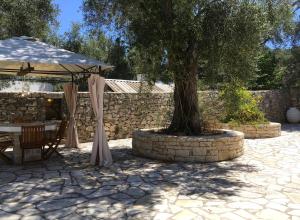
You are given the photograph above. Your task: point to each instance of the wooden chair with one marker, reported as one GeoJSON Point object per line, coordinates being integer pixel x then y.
{"type": "Point", "coordinates": [5, 143]}
{"type": "Point", "coordinates": [32, 137]}
{"type": "Point", "coordinates": [55, 142]}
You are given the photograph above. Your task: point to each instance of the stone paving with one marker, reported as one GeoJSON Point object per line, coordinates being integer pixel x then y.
{"type": "Point", "coordinates": [262, 184]}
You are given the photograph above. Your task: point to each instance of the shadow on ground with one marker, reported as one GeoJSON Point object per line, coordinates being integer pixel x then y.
{"type": "Point", "coordinates": [132, 187]}
{"type": "Point", "coordinates": [290, 127]}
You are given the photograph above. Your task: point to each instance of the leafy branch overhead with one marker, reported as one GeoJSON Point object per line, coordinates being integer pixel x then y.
{"type": "Point", "coordinates": [220, 36]}
{"type": "Point", "coordinates": [32, 18]}
{"type": "Point", "coordinates": [187, 39]}
{"type": "Point", "coordinates": [182, 41]}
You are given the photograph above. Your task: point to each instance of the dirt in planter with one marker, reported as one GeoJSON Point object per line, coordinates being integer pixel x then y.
{"type": "Point", "coordinates": [203, 134]}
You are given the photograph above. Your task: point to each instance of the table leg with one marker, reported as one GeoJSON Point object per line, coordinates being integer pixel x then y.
{"type": "Point", "coordinates": [17, 151]}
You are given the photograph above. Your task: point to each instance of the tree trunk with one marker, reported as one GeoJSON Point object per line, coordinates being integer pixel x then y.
{"type": "Point", "coordinates": [186, 117]}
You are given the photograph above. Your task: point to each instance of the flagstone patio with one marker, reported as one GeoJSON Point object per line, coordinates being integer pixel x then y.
{"type": "Point", "coordinates": [262, 184]}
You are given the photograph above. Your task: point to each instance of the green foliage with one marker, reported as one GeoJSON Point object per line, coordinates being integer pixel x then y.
{"type": "Point", "coordinates": [73, 40]}
{"type": "Point", "coordinates": [266, 78]}
{"type": "Point", "coordinates": [117, 56]}
{"type": "Point", "coordinates": [240, 106]}
{"type": "Point", "coordinates": [96, 45]}
{"type": "Point", "coordinates": [292, 77]}
{"type": "Point", "coordinates": [222, 39]}
{"type": "Point", "coordinates": [202, 85]}
{"type": "Point", "coordinates": [280, 25]}
{"type": "Point", "coordinates": [32, 18]}
{"type": "Point", "coordinates": [141, 63]}
{"type": "Point", "coordinates": [92, 44]}
{"type": "Point", "coordinates": [271, 69]}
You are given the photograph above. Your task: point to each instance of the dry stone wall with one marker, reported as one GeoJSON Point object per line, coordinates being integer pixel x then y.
{"type": "Point", "coordinates": [295, 97]}
{"type": "Point", "coordinates": [207, 148]}
{"type": "Point", "coordinates": [274, 104]}
{"type": "Point", "coordinates": [123, 113]}
{"type": "Point", "coordinates": [26, 106]}
{"type": "Point", "coordinates": [268, 130]}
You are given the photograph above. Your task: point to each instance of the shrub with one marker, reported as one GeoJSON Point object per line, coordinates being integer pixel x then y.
{"type": "Point", "coordinates": [240, 106]}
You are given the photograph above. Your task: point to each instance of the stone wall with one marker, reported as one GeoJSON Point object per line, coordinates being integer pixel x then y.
{"type": "Point", "coordinates": [295, 97]}
{"type": "Point", "coordinates": [28, 107]}
{"type": "Point", "coordinates": [274, 104]}
{"type": "Point", "coordinates": [207, 148]}
{"type": "Point", "coordinates": [123, 113]}
{"type": "Point", "coordinates": [267, 130]}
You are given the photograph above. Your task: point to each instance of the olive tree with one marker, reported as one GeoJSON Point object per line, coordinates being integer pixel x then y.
{"type": "Point", "coordinates": [187, 36]}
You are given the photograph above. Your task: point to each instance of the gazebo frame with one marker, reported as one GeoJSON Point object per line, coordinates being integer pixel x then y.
{"type": "Point", "coordinates": [100, 152]}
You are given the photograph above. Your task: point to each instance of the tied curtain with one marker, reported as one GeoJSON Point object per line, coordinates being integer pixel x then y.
{"type": "Point", "coordinates": [100, 153]}
{"type": "Point", "coordinates": [71, 90]}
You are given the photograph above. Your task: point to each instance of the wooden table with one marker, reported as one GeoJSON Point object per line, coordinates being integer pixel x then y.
{"type": "Point", "coordinates": [14, 130]}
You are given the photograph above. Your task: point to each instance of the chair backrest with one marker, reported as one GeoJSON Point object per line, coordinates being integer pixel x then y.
{"type": "Point", "coordinates": [4, 135]}
{"type": "Point", "coordinates": [5, 141]}
{"type": "Point", "coordinates": [62, 129]}
{"type": "Point", "coordinates": [32, 136]}
{"type": "Point", "coordinates": [5, 144]}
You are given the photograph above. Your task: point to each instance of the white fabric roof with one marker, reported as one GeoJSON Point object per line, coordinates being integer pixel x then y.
{"type": "Point", "coordinates": [19, 51]}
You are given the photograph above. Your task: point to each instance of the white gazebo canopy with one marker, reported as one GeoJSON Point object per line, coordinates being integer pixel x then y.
{"type": "Point", "coordinates": [27, 55]}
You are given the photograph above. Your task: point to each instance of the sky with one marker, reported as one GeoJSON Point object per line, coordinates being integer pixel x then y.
{"type": "Point", "coordinates": [69, 12]}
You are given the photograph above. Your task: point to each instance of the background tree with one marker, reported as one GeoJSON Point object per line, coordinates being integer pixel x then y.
{"type": "Point", "coordinates": [280, 25]}
{"type": "Point", "coordinates": [73, 40]}
{"type": "Point", "coordinates": [32, 18]}
{"type": "Point", "coordinates": [271, 69]}
{"type": "Point", "coordinates": [292, 77]}
{"type": "Point", "coordinates": [221, 37]}
{"type": "Point", "coordinates": [117, 56]}
{"type": "Point", "coordinates": [94, 44]}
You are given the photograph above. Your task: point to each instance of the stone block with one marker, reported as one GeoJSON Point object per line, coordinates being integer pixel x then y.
{"type": "Point", "coordinates": [199, 151]}
{"type": "Point", "coordinates": [182, 153]}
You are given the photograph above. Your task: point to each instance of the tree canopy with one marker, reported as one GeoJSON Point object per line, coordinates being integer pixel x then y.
{"type": "Point", "coordinates": [292, 78]}
{"type": "Point", "coordinates": [220, 41]}
{"type": "Point", "coordinates": [271, 69]}
{"type": "Point", "coordinates": [32, 18]}
{"type": "Point", "coordinates": [220, 38]}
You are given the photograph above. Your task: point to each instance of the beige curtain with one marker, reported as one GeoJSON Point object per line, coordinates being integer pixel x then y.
{"type": "Point", "coordinates": [100, 154]}
{"type": "Point", "coordinates": [71, 91]}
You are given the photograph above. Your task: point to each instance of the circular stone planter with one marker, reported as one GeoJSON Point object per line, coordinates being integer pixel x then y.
{"type": "Point", "coordinates": [209, 148]}
{"type": "Point", "coordinates": [268, 130]}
